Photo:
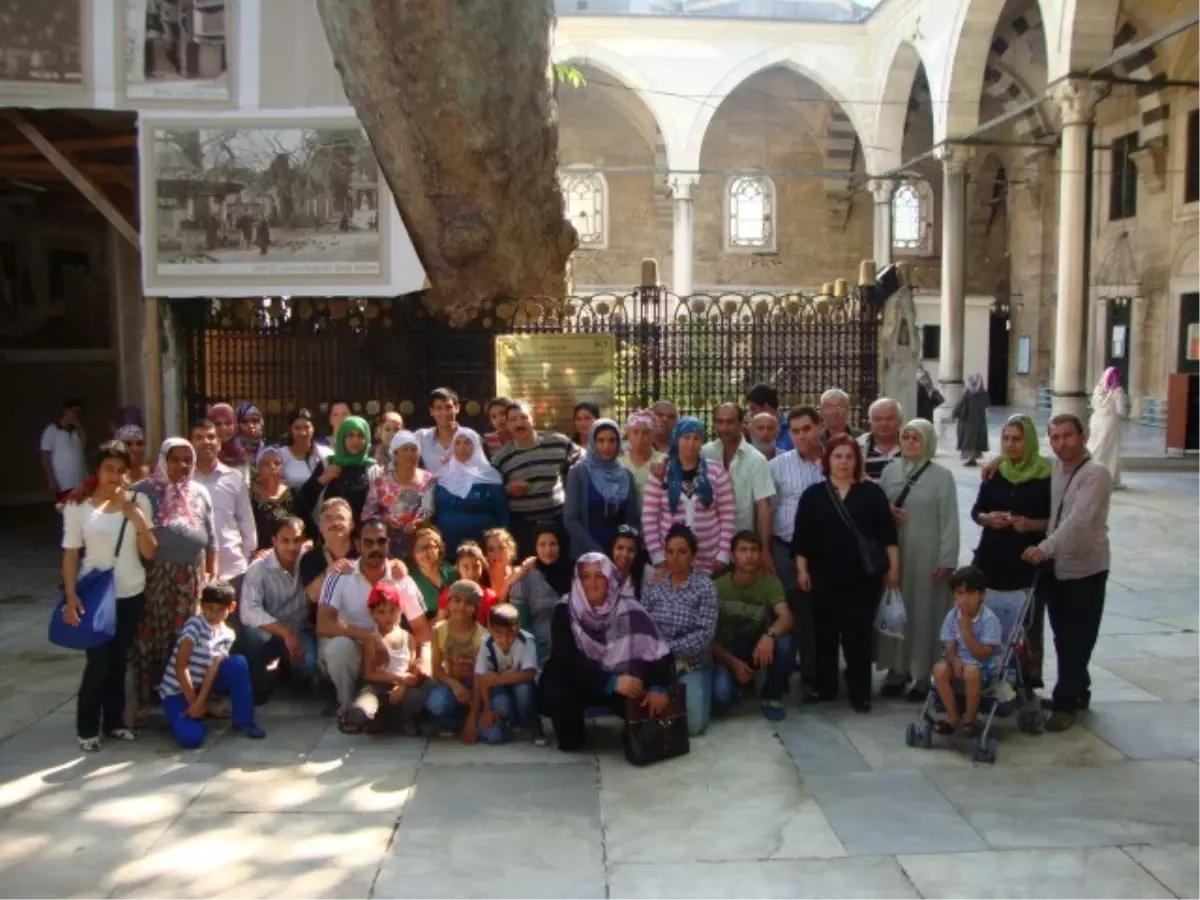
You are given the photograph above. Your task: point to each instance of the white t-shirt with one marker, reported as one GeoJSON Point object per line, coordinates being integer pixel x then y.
{"type": "Point", "coordinates": [434, 457]}
{"type": "Point", "coordinates": [491, 660]}
{"type": "Point", "coordinates": [297, 471]}
{"type": "Point", "coordinates": [95, 533]}
{"type": "Point", "coordinates": [66, 456]}
{"type": "Point", "coordinates": [348, 594]}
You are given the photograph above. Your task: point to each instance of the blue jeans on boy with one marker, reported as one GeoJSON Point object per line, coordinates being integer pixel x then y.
{"type": "Point", "coordinates": [233, 678]}
{"type": "Point", "coordinates": [444, 706]}
{"type": "Point", "coordinates": [698, 684]}
{"type": "Point", "coordinates": [726, 690]}
{"type": "Point", "coordinates": [260, 648]}
{"type": "Point", "coordinates": [514, 705]}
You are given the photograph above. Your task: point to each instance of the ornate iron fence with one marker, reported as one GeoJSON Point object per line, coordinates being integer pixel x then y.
{"type": "Point", "coordinates": [387, 354]}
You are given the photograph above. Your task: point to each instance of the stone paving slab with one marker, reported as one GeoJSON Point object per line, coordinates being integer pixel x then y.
{"type": "Point", "coordinates": [1176, 866]}
{"type": "Point", "coordinates": [1165, 729]}
{"type": "Point", "coordinates": [860, 877]}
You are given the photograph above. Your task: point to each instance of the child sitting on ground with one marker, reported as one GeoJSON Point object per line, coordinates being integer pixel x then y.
{"type": "Point", "coordinates": [456, 640]}
{"type": "Point", "coordinates": [470, 563]}
{"type": "Point", "coordinates": [971, 633]}
{"type": "Point", "coordinates": [201, 654]}
{"type": "Point", "coordinates": [504, 673]}
{"type": "Point", "coordinates": [392, 694]}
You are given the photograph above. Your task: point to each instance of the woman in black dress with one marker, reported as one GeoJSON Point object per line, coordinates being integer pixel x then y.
{"type": "Point", "coordinates": [830, 566]}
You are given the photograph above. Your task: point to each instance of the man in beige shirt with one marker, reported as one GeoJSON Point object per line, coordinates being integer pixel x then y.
{"type": "Point", "coordinates": [1076, 557]}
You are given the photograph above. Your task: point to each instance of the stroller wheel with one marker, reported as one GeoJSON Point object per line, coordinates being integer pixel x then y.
{"type": "Point", "coordinates": [983, 752]}
{"type": "Point", "coordinates": [910, 734]}
{"type": "Point", "coordinates": [927, 735]}
{"type": "Point", "coordinates": [993, 750]}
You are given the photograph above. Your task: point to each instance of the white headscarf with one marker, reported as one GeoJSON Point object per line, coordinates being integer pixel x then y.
{"type": "Point", "coordinates": [458, 477]}
{"type": "Point", "coordinates": [403, 439]}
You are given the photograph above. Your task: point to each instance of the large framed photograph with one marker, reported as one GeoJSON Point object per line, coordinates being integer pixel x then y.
{"type": "Point", "coordinates": [176, 51]}
{"type": "Point", "coordinates": [276, 203]}
{"type": "Point", "coordinates": [45, 52]}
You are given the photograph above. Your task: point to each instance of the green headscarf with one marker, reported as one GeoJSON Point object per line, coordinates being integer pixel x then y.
{"type": "Point", "coordinates": [341, 457]}
{"type": "Point", "coordinates": [1032, 466]}
{"type": "Point", "coordinates": [928, 444]}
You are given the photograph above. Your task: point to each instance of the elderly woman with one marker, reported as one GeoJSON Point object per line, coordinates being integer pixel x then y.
{"type": "Point", "coordinates": [845, 542]}
{"type": "Point", "coordinates": [270, 496]}
{"type": "Point", "coordinates": [402, 495]}
{"type": "Point", "coordinates": [924, 503]}
{"type": "Point", "coordinates": [971, 415]}
{"type": "Point", "coordinates": [348, 473]}
{"type": "Point", "coordinates": [601, 493]}
{"type": "Point", "coordinates": [469, 497]}
{"type": "Point", "coordinates": [1013, 509]}
{"type": "Point", "coordinates": [540, 586]}
{"type": "Point", "coordinates": [640, 455]}
{"type": "Point", "coordinates": [606, 652]}
{"type": "Point", "coordinates": [684, 606]}
{"type": "Point", "coordinates": [692, 491]}
{"type": "Point", "coordinates": [390, 424]}
{"type": "Point", "coordinates": [185, 559]}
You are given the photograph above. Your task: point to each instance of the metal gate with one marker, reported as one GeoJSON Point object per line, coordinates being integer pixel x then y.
{"type": "Point", "coordinates": [385, 354]}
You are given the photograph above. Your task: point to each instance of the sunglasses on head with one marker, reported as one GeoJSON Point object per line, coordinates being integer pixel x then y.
{"type": "Point", "coordinates": [628, 531]}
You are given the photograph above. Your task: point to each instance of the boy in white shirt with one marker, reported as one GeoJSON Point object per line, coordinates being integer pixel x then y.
{"type": "Point", "coordinates": [504, 673]}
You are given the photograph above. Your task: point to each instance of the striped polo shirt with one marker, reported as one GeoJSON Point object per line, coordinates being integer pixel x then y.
{"type": "Point", "coordinates": [875, 460]}
{"type": "Point", "coordinates": [544, 465]}
{"type": "Point", "coordinates": [207, 642]}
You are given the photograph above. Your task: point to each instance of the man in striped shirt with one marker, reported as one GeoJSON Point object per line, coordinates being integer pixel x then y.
{"type": "Point", "coordinates": [881, 444]}
{"type": "Point", "coordinates": [793, 473]}
{"type": "Point", "coordinates": [534, 465]}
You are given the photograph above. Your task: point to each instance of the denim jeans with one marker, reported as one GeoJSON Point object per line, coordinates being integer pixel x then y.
{"type": "Point", "coordinates": [441, 703]}
{"type": "Point", "coordinates": [726, 690]}
{"type": "Point", "coordinates": [698, 683]}
{"type": "Point", "coordinates": [233, 678]}
{"type": "Point", "coordinates": [260, 648]}
{"type": "Point", "coordinates": [514, 705]}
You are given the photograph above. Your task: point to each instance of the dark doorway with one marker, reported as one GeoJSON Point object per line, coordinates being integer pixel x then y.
{"type": "Point", "coordinates": [1188, 360]}
{"type": "Point", "coordinates": [999, 326]}
{"type": "Point", "coordinates": [1120, 337]}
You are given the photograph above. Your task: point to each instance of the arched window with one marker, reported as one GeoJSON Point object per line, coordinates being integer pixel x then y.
{"type": "Point", "coordinates": [585, 193]}
{"type": "Point", "coordinates": [750, 213]}
{"type": "Point", "coordinates": [912, 218]}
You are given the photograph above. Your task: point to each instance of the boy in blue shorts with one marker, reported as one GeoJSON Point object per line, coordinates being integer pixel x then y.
{"type": "Point", "coordinates": [971, 633]}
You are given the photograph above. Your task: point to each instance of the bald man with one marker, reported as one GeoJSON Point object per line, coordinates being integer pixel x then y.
{"type": "Point", "coordinates": [764, 432]}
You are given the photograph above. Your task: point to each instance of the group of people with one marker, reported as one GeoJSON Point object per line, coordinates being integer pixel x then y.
{"type": "Point", "coordinates": [476, 584]}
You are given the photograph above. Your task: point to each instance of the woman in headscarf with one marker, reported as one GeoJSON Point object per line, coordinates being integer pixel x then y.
{"type": "Point", "coordinates": [250, 430]}
{"type": "Point", "coordinates": [270, 496]}
{"type": "Point", "coordinates": [543, 581]}
{"type": "Point", "coordinates": [390, 424]}
{"type": "Point", "coordinates": [469, 497]}
{"type": "Point", "coordinates": [348, 473]}
{"type": "Point", "coordinates": [134, 439]}
{"type": "Point", "coordinates": [924, 502]}
{"type": "Point", "coordinates": [1013, 509]}
{"type": "Point", "coordinates": [232, 453]}
{"type": "Point", "coordinates": [694, 492]}
{"type": "Point", "coordinates": [601, 493]}
{"type": "Point", "coordinates": [971, 415]}
{"type": "Point", "coordinates": [402, 495]}
{"type": "Point", "coordinates": [185, 559]}
{"type": "Point", "coordinates": [640, 456]}
{"type": "Point", "coordinates": [606, 651]}
{"type": "Point", "coordinates": [1104, 429]}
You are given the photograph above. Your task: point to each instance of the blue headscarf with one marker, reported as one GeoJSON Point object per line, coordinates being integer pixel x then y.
{"type": "Point", "coordinates": [608, 477]}
{"type": "Point", "coordinates": [685, 426]}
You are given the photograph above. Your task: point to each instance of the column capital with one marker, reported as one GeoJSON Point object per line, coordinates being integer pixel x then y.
{"type": "Point", "coordinates": [681, 184]}
{"type": "Point", "coordinates": [882, 190]}
{"type": "Point", "coordinates": [1076, 100]}
{"type": "Point", "coordinates": [955, 158]}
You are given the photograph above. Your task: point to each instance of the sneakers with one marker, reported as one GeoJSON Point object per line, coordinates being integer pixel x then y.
{"type": "Point", "coordinates": [250, 731]}
{"type": "Point", "coordinates": [89, 745]}
{"type": "Point", "coordinates": [122, 734]}
{"type": "Point", "coordinates": [773, 710]}
{"type": "Point", "coordinates": [1060, 721]}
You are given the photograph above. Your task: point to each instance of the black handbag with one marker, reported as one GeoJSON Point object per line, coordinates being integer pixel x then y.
{"type": "Point", "coordinates": [650, 739]}
{"type": "Point", "coordinates": [872, 554]}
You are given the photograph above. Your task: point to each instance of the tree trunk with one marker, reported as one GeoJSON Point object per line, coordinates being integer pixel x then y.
{"type": "Point", "coordinates": [457, 99]}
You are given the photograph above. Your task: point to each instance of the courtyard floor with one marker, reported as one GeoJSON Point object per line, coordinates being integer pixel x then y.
{"type": "Point", "coordinates": [825, 804]}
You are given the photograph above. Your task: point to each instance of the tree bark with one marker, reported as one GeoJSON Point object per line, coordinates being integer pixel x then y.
{"type": "Point", "coordinates": [457, 99]}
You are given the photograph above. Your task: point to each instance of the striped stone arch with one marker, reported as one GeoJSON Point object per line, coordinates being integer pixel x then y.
{"type": "Point", "coordinates": [1001, 82]}
{"type": "Point", "coordinates": [841, 147]}
{"type": "Point", "coordinates": [1145, 66]}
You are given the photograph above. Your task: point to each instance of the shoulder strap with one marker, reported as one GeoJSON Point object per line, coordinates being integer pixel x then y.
{"type": "Point", "coordinates": [120, 537]}
{"type": "Point", "coordinates": [908, 485]}
{"type": "Point", "coordinates": [840, 506]}
{"type": "Point", "coordinates": [1067, 487]}
{"type": "Point", "coordinates": [491, 648]}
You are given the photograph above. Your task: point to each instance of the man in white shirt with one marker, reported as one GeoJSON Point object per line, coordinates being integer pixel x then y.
{"type": "Point", "coordinates": [749, 472]}
{"type": "Point", "coordinates": [794, 472]}
{"type": "Point", "coordinates": [344, 620]}
{"type": "Point", "coordinates": [237, 538]}
{"type": "Point", "coordinates": [62, 447]}
{"type": "Point", "coordinates": [437, 442]}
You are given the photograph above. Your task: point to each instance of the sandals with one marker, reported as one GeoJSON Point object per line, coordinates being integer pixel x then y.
{"type": "Point", "coordinates": [941, 726]}
{"type": "Point", "coordinates": [122, 734]}
{"type": "Point", "coordinates": [346, 726]}
{"type": "Point", "coordinates": [89, 745]}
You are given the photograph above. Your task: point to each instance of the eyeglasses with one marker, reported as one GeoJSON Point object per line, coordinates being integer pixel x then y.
{"type": "Point", "coordinates": [428, 545]}
{"type": "Point", "coordinates": [374, 542]}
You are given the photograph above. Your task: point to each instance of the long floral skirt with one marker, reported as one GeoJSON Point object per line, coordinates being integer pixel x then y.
{"type": "Point", "coordinates": [172, 597]}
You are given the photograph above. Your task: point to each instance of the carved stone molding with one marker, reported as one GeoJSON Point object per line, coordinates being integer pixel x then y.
{"type": "Point", "coordinates": [955, 158]}
{"type": "Point", "coordinates": [1076, 100]}
{"type": "Point", "coordinates": [1151, 162]}
{"type": "Point", "coordinates": [882, 190]}
{"type": "Point", "coordinates": [680, 184]}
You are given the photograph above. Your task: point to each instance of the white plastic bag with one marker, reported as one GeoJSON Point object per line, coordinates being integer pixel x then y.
{"type": "Point", "coordinates": [891, 619]}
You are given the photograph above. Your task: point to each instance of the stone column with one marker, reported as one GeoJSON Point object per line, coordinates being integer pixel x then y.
{"type": "Point", "coordinates": [1135, 391]}
{"type": "Point", "coordinates": [955, 159]}
{"type": "Point", "coordinates": [681, 185]}
{"type": "Point", "coordinates": [1076, 101]}
{"type": "Point", "coordinates": [1098, 341]}
{"type": "Point", "coordinates": [882, 190]}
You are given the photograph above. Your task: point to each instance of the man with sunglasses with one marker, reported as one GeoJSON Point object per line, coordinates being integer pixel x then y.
{"type": "Point", "coordinates": [344, 619]}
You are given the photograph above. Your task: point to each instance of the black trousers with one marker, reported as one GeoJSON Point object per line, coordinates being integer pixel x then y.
{"type": "Point", "coordinates": [565, 701]}
{"type": "Point", "coordinates": [845, 615]}
{"type": "Point", "coordinates": [801, 605]}
{"type": "Point", "coordinates": [102, 690]}
{"type": "Point", "coordinates": [1075, 606]}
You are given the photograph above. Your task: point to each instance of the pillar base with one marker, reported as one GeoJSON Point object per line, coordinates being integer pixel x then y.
{"type": "Point", "coordinates": [1070, 404]}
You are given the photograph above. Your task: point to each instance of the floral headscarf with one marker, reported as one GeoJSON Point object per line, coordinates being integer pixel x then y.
{"type": "Point", "coordinates": [1111, 378]}
{"type": "Point", "coordinates": [643, 418]}
{"type": "Point", "coordinates": [127, 433]}
{"type": "Point", "coordinates": [250, 444]}
{"type": "Point", "coordinates": [685, 426]}
{"type": "Point", "coordinates": [175, 497]}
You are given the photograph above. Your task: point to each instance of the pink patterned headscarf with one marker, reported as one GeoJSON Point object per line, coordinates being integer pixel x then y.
{"type": "Point", "coordinates": [1111, 379]}
{"type": "Point", "coordinates": [642, 417]}
{"type": "Point", "coordinates": [175, 497]}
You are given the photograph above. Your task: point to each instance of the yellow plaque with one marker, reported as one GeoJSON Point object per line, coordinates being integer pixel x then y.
{"type": "Point", "coordinates": [553, 372]}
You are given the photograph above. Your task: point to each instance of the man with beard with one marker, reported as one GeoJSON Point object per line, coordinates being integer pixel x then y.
{"type": "Point", "coordinates": [344, 619]}
{"type": "Point", "coordinates": [764, 433]}
{"type": "Point", "coordinates": [233, 516]}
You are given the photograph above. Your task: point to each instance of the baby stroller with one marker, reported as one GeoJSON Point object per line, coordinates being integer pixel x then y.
{"type": "Point", "coordinates": [1006, 695]}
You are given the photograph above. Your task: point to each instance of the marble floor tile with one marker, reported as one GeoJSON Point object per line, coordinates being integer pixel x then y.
{"type": "Point", "coordinates": [1091, 872]}
{"type": "Point", "coordinates": [817, 878]}
{"type": "Point", "coordinates": [207, 854]}
{"type": "Point", "coordinates": [818, 747]}
{"type": "Point", "coordinates": [1164, 729]}
{"type": "Point", "coordinates": [735, 796]}
{"type": "Point", "coordinates": [1185, 621]}
{"type": "Point", "coordinates": [289, 740]}
{"type": "Point", "coordinates": [1116, 623]}
{"type": "Point", "coordinates": [484, 831]}
{"type": "Point", "coordinates": [445, 751]}
{"type": "Point", "coordinates": [1180, 644]}
{"type": "Point", "coordinates": [1168, 678]}
{"type": "Point", "coordinates": [51, 741]}
{"type": "Point", "coordinates": [366, 749]}
{"type": "Point", "coordinates": [1086, 806]}
{"type": "Point", "coordinates": [1175, 865]}
{"type": "Point", "coordinates": [32, 705]}
{"type": "Point", "coordinates": [332, 787]}
{"type": "Point", "coordinates": [1109, 687]}
{"type": "Point", "coordinates": [879, 739]}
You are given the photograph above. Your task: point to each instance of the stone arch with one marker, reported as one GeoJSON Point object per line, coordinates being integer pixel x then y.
{"type": "Point", "coordinates": [1079, 34]}
{"type": "Point", "coordinates": [1002, 80]}
{"type": "Point", "coordinates": [894, 103]}
{"type": "Point", "coordinates": [1147, 65]}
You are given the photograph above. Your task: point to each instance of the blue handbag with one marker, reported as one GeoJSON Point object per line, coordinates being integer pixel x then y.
{"type": "Point", "coordinates": [97, 591]}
